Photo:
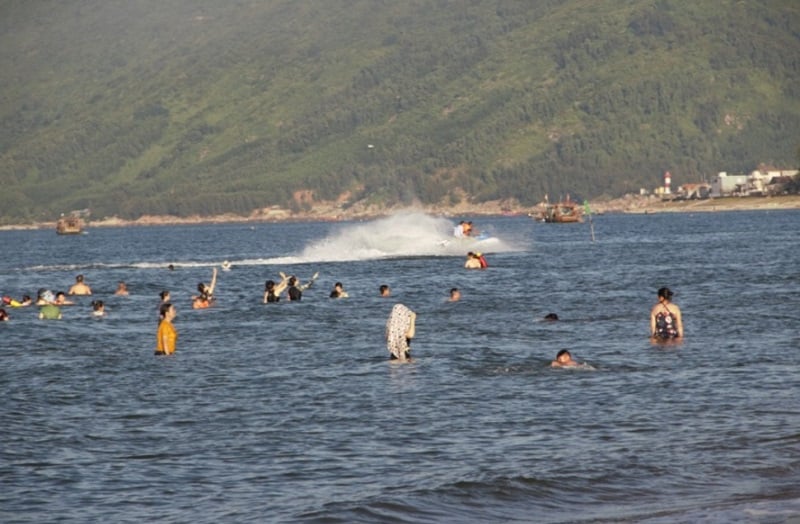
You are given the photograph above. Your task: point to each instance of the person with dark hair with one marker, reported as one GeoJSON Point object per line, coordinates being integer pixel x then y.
{"type": "Point", "coordinates": [455, 294]}
{"type": "Point", "coordinates": [564, 360]}
{"type": "Point", "coordinates": [3, 315]}
{"type": "Point", "coordinates": [206, 297]}
{"type": "Point", "coordinates": [666, 322]}
{"type": "Point", "coordinates": [272, 290]}
{"type": "Point", "coordinates": [473, 261]}
{"type": "Point", "coordinates": [98, 308]}
{"type": "Point", "coordinates": [80, 287]}
{"type": "Point", "coordinates": [167, 336]}
{"type": "Point", "coordinates": [384, 291]}
{"type": "Point", "coordinates": [338, 291]}
{"type": "Point", "coordinates": [551, 317]}
{"type": "Point", "coordinates": [61, 300]}
{"type": "Point", "coordinates": [296, 289]}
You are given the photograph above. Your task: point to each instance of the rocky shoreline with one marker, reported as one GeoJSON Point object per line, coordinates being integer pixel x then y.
{"type": "Point", "coordinates": [335, 212]}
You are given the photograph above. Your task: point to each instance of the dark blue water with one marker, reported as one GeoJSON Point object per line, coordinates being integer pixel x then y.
{"type": "Point", "coordinates": [292, 411]}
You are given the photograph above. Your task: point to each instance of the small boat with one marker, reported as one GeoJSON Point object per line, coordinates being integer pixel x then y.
{"type": "Point", "coordinates": [70, 225]}
{"type": "Point", "coordinates": [562, 212]}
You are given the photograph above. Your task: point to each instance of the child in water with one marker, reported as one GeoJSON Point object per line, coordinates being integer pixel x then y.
{"type": "Point", "coordinates": [98, 308]}
{"type": "Point", "coordinates": [564, 360]}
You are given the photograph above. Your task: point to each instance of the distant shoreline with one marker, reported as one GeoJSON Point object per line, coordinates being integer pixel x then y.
{"type": "Point", "coordinates": [331, 213]}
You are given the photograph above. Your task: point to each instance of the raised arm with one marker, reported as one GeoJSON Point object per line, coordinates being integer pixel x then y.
{"type": "Point", "coordinates": [213, 282]}
{"type": "Point", "coordinates": [309, 283]}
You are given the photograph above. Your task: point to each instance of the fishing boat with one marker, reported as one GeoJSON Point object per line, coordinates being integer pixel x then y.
{"type": "Point", "coordinates": [71, 225]}
{"type": "Point", "coordinates": [562, 212]}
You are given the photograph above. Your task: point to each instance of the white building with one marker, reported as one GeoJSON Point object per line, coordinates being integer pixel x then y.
{"type": "Point", "coordinates": [725, 185]}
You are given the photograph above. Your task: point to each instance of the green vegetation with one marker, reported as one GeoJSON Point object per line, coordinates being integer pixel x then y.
{"type": "Point", "coordinates": [192, 106]}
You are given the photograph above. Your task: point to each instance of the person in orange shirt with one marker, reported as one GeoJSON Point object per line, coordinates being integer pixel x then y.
{"type": "Point", "coordinates": [167, 335]}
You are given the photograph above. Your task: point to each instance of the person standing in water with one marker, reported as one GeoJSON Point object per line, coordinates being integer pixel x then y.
{"type": "Point", "coordinates": [167, 336]}
{"type": "Point", "coordinates": [296, 289]}
{"type": "Point", "coordinates": [666, 322]}
{"type": "Point", "coordinates": [122, 289]}
{"type": "Point", "coordinates": [80, 287]}
{"type": "Point", "coordinates": [272, 291]}
{"type": "Point", "coordinates": [400, 329]}
{"type": "Point", "coordinates": [338, 291]}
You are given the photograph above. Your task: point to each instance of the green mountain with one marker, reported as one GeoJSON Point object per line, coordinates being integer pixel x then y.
{"type": "Point", "coordinates": [131, 107]}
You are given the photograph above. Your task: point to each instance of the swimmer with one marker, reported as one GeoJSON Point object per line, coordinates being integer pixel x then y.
{"type": "Point", "coordinates": [273, 290]}
{"type": "Point", "coordinates": [666, 322]}
{"type": "Point", "coordinates": [167, 336]}
{"type": "Point", "coordinates": [455, 295]}
{"type": "Point", "coordinates": [400, 329]}
{"type": "Point", "coordinates": [338, 291]}
{"type": "Point", "coordinates": [551, 317]}
{"type": "Point", "coordinates": [48, 311]}
{"type": "Point", "coordinates": [226, 266]}
{"type": "Point", "coordinates": [171, 267]}
{"type": "Point", "coordinates": [296, 289]}
{"type": "Point", "coordinates": [61, 300]}
{"type": "Point", "coordinates": [206, 297]}
{"type": "Point", "coordinates": [564, 360]}
{"type": "Point", "coordinates": [3, 315]}
{"type": "Point", "coordinates": [98, 308]}
{"type": "Point", "coordinates": [80, 287]}
{"type": "Point", "coordinates": [26, 301]}
{"type": "Point", "coordinates": [384, 291]}
{"type": "Point", "coordinates": [122, 289]}
{"type": "Point", "coordinates": [473, 262]}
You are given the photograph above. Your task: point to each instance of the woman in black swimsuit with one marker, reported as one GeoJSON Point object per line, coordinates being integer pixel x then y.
{"type": "Point", "coordinates": [665, 318]}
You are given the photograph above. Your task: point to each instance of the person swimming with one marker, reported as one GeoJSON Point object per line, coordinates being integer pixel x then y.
{"type": "Point", "coordinates": [666, 322]}
{"type": "Point", "coordinates": [455, 295]}
{"type": "Point", "coordinates": [384, 290]}
{"type": "Point", "coordinates": [273, 290]}
{"type": "Point", "coordinates": [98, 308]}
{"type": "Point", "coordinates": [338, 291]}
{"type": "Point", "coordinates": [206, 297]}
{"type": "Point", "coordinates": [4, 316]}
{"type": "Point", "coordinates": [296, 289]}
{"type": "Point", "coordinates": [122, 289]}
{"type": "Point", "coordinates": [564, 360]}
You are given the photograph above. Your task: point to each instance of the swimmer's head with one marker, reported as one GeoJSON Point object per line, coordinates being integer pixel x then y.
{"type": "Point", "coordinates": [269, 284]}
{"type": "Point", "coordinates": [665, 293]}
{"type": "Point", "coordinates": [6, 300]}
{"type": "Point", "coordinates": [384, 290]}
{"type": "Point", "coordinates": [97, 305]}
{"type": "Point", "coordinates": [551, 317]}
{"type": "Point", "coordinates": [79, 278]}
{"type": "Point", "coordinates": [563, 356]}
{"type": "Point", "coordinates": [164, 295]}
{"type": "Point", "coordinates": [201, 287]}
{"type": "Point", "coordinates": [292, 280]}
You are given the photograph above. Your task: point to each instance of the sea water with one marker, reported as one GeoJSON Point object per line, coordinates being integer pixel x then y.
{"type": "Point", "coordinates": [293, 411]}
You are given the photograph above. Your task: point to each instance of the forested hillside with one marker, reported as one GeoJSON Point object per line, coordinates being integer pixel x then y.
{"type": "Point", "coordinates": [131, 107]}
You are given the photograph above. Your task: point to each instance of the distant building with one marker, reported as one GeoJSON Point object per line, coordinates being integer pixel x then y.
{"type": "Point", "coordinates": [699, 191]}
{"type": "Point", "coordinates": [727, 185]}
{"type": "Point", "coordinates": [763, 181]}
